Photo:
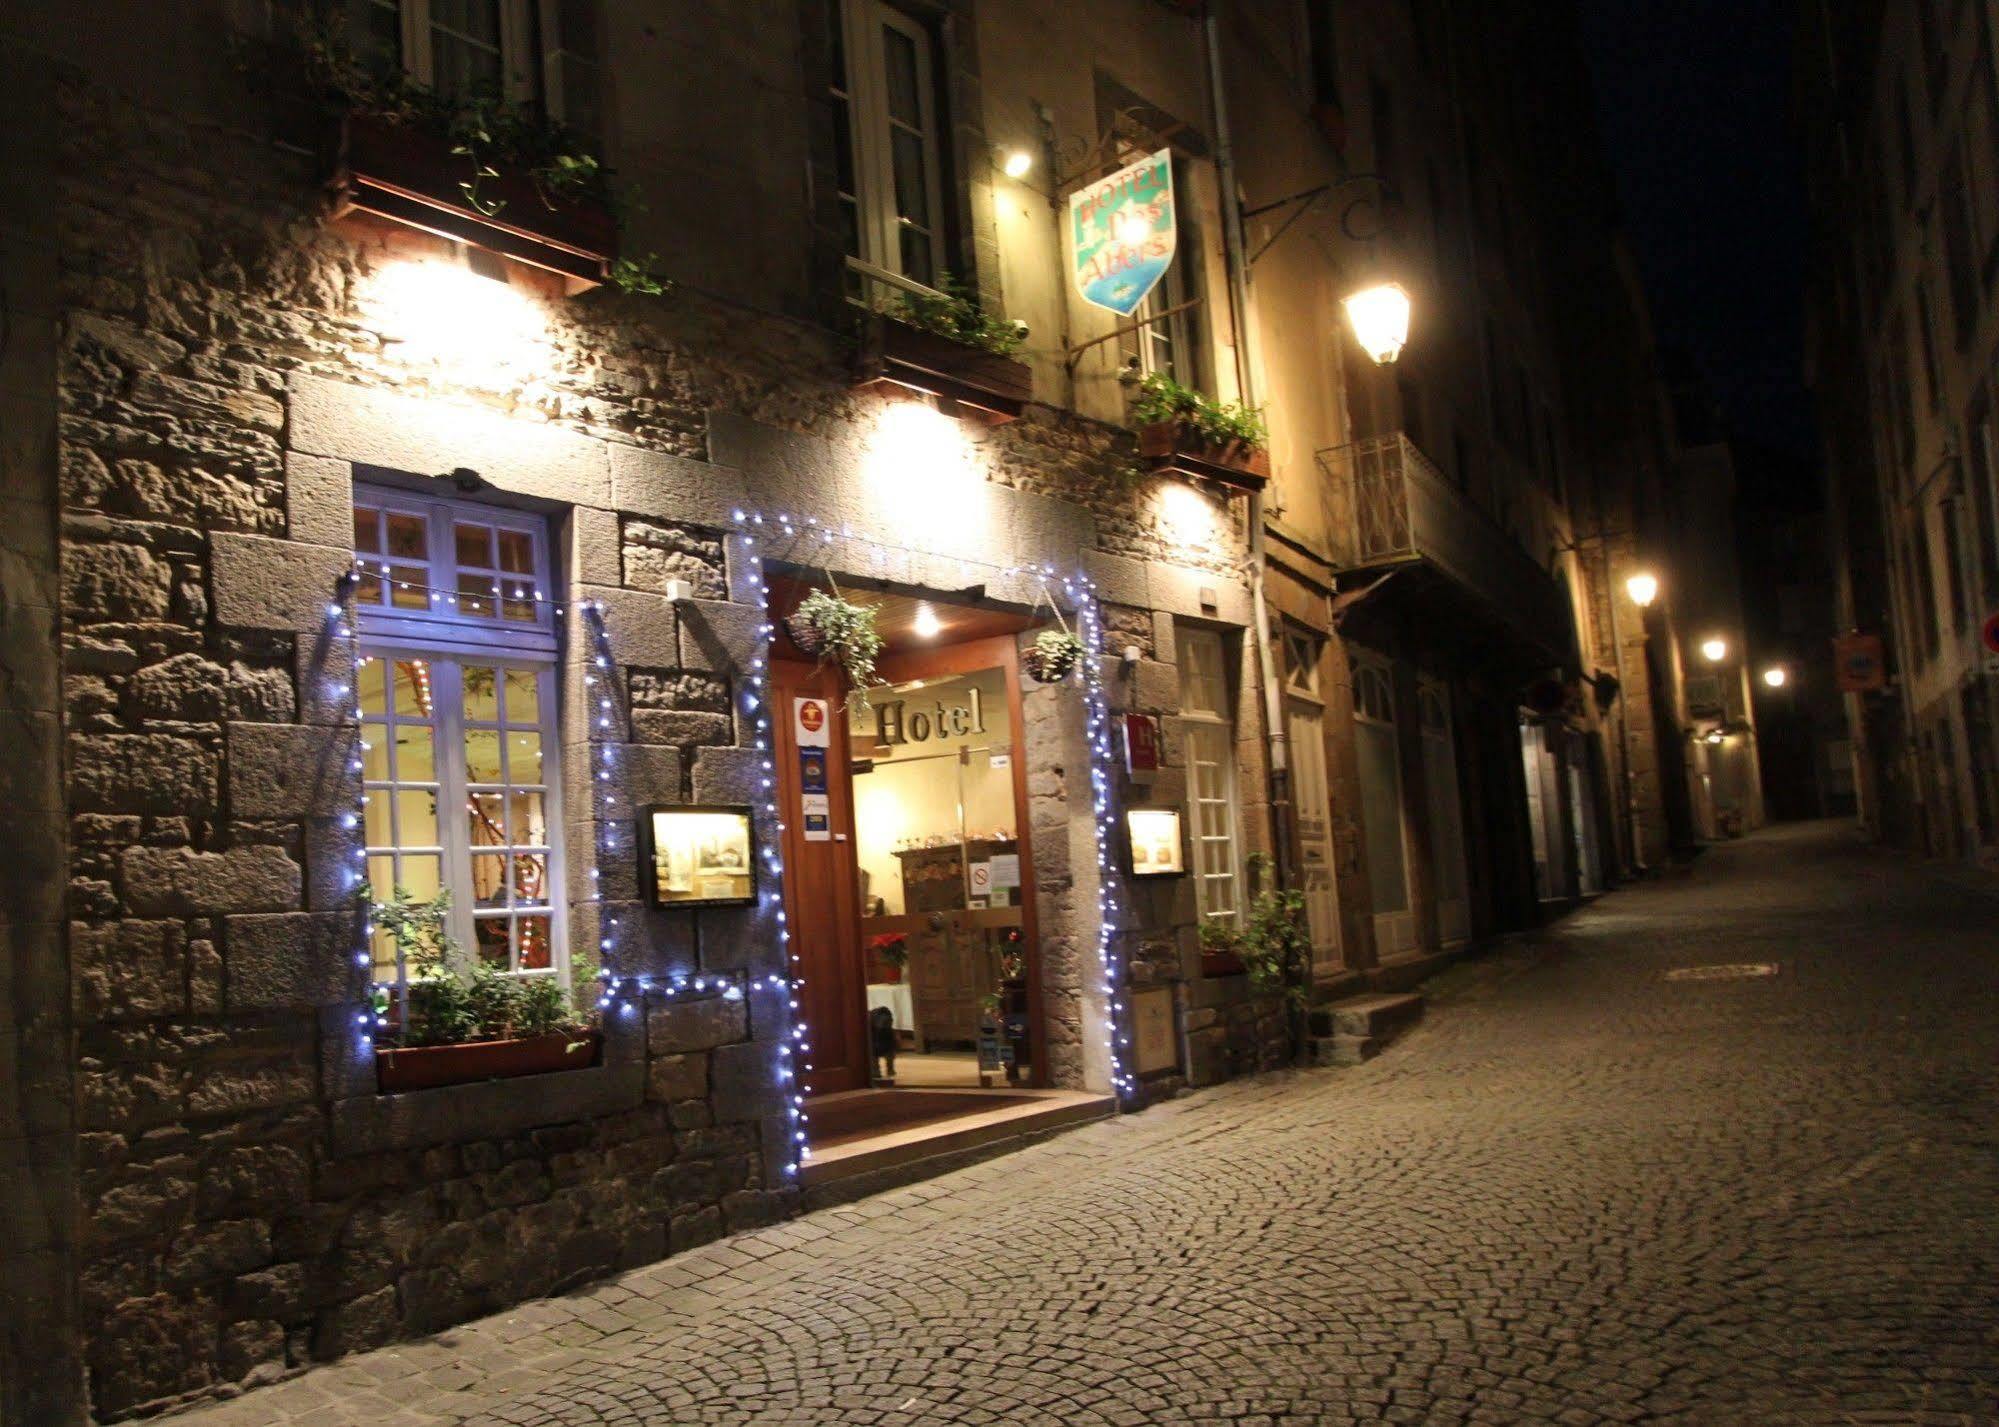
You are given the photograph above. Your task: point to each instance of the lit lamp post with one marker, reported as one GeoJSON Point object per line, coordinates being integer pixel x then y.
{"type": "Point", "coordinates": [1776, 677]}
{"type": "Point", "coordinates": [1643, 587]}
{"type": "Point", "coordinates": [1379, 316]}
{"type": "Point", "coordinates": [1714, 650]}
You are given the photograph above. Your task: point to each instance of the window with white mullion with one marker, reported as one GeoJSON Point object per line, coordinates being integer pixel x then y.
{"type": "Point", "coordinates": [883, 93]}
{"type": "Point", "coordinates": [523, 51]}
{"type": "Point", "coordinates": [1210, 756]}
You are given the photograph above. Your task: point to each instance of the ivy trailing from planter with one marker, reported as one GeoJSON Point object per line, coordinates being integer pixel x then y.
{"type": "Point", "coordinates": [955, 312]}
{"type": "Point", "coordinates": [492, 134]}
{"type": "Point", "coordinates": [835, 630]}
{"type": "Point", "coordinates": [1219, 423]}
{"type": "Point", "coordinates": [1273, 942]}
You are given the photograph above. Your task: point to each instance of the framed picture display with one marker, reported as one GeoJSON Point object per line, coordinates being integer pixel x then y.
{"type": "Point", "coordinates": [1153, 844]}
{"type": "Point", "coordinates": [697, 856]}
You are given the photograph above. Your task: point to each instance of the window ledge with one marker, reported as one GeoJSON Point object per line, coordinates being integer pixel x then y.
{"type": "Point", "coordinates": [452, 1114]}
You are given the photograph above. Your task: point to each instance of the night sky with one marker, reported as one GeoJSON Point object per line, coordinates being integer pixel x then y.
{"type": "Point", "coordinates": [1694, 109]}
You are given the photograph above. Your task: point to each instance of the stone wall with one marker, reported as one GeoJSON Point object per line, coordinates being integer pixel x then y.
{"type": "Point", "coordinates": [253, 1204]}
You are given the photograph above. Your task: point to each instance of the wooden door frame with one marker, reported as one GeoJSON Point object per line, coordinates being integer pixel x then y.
{"type": "Point", "coordinates": [969, 657]}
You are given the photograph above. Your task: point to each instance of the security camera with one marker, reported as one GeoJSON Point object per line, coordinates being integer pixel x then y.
{"type": "Point", "coordinates": [1019, 329]}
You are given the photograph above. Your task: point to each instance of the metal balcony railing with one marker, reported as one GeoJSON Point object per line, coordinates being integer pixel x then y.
{"type": "Point", "coordinates": [1390, 505]}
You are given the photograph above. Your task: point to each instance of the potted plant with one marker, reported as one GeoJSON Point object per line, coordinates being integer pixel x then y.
{"type": "Point", "coordinates": [829, 628]}
{"type": "Point", "coordinates": [1272, 943]}
{"type": "Point", "coordinates": [892, 950]}
{"type": "Point", "coordinates": [944, 343]}
{"type": "Point", "coordinates": [452, 1026]}
{"type": "Point", "coordinates": [1053, 656]}
{"type": "Point", "coordinates": [1183, 432]}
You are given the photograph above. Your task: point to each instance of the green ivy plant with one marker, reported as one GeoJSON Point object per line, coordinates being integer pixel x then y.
{"type": "Point", "coordinates": [490, 132]}
{"type": "Point", "coordinates": [954, 311]}
{"type": "Point", "coordinates": [840, 631]}
{"type": "Point", "coordinates": [447, 1004]}
{"type": "Point", "coordinates": [1160, 398]}
{"type": "Point", "coordinates": [1273, 942]}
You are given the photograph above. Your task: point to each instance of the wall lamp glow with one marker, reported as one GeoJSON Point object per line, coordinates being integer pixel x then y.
{"type": "Point", "coordinates": [1016, 163]}
{"type": "Point", "coordinates": [1379, 316]}
{"type": "Point", "coordinates": [1714, 650]}
{"type": "Point", "coordinates": [1643, 588]}
{"type": "Point", "coordinates": [1775, 676]}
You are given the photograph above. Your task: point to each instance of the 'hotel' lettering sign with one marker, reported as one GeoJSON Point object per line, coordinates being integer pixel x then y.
{"type": "Point", "coordinates": [1122, 233]}
{"type": "Point", "coordinates": [898, 723]}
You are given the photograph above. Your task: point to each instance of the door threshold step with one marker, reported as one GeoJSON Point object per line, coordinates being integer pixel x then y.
{"type": "Point", "coordinates": [902, 1156]}
{"type": "Point", "coordinates": [1349, 1031]}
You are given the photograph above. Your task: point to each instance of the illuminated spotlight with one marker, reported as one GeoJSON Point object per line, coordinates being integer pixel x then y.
{"type": "Point", "coordinates": [476, 330]}
{"type": "Point", "coordinates": [1775, 676]}
{"type": "Point", "coordinates": [1714, 650]}
{"type": "Point", "coordinates": [927, 625]}
{"type": "Point", "coordinates": [1380, 319]}
{"type": "Point", "coordinates": [1016, 163]}
{"type": "Point", "coordinates": [1132, 228]}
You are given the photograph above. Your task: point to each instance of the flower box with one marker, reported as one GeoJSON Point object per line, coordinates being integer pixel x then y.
{"type": "Point", "coordinates": [1221, 963]}
{"type": "Point", "coordinates": [430, 1066]}
{"type": "Point", "coordinates": [1175, 448]}
{"type": "Point", "coordinates": [410, 175]}
{"type": "Point", "coordinates": [904, 355]}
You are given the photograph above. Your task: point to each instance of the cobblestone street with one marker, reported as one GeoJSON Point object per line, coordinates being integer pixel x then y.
{"type": "Point", "coordinates": [1579, 1192]}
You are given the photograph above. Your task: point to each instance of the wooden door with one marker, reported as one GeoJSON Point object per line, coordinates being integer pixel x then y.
{"type": "Point", "coordinates": [820, 896]}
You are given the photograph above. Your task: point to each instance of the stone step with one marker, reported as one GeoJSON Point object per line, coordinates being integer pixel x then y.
{"type": "Point", "coordinates": [1381, 1016]}
{"type": "Point", "coordinates": [1343, 1049]}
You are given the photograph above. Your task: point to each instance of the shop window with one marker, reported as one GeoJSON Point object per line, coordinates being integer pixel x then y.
{"type": "Point", "coordinates": [540, 52]}
{"type": "Point", "coordinates": [456, 691]}
{"type": "Point", "coordinates": [1207, 714]}
{"type": "Point", "coordinates": [886, 127]}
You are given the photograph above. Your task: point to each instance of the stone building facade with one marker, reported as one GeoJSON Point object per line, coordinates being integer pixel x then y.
{"type": "Point", "coordinates": [221, 392]}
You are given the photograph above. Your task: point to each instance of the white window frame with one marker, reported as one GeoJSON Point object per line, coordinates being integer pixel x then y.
{"type": "Point", "coordinates": [1207, 716]}
{"type": "Point", "coordinates": [531, 49]}
{"type": "Point", "coordinates": [869, 127]}
{"type": "Point", "coordinates": [445, 622]}
{"type": "Point", "coordinates": [447, 640]}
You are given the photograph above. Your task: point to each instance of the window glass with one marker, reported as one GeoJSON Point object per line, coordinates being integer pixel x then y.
{"type": "Point", "coordinates": [885, 139]}
{"type": "Point", "coordinates": [1211, 786]}
{"type": "Point", "coordinates": [465, 47]}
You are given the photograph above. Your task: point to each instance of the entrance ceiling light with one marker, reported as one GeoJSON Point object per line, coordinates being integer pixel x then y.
{"type": "Point", "coordinates": [927, 625]}
{"type": "Point", "coordinates": [1379, 316]}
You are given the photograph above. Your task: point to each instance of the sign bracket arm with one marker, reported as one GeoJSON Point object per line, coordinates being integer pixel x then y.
{"type": "Point", "coordinates": [1072, 355]}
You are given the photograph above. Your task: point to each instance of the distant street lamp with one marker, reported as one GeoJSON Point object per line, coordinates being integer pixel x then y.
{"type": "Point", "coordinates": [1643, 588]}
{"type": "Point", "coordinates": [1380, 319]}
{"type": "Point", "coordinates": [1714, 650]}
{"type": "Point", "coordinates": [1775, 676]}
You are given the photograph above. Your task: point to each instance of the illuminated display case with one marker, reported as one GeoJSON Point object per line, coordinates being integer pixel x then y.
{"type": "Point", "coordinates": [1153, 847]}
{"type": "Point", "coordinates": [697, 856]}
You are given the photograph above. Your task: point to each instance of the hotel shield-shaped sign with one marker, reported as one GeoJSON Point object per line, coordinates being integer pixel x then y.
{"type": "Point", "coordinates": [1121, 233]}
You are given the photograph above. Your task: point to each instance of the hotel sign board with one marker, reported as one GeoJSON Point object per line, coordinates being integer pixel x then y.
{"type": "Point", "coordinates": [1858, 664]}
{"type": "Point", "coordinates": [1122, 232]}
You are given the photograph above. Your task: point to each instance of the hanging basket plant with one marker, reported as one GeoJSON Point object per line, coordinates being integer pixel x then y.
{"type": "Point", "coordinates": [1053, 656]}
{"type": "Point", "coordinates": [835, 630]}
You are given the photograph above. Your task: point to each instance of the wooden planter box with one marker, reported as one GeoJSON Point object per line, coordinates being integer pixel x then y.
{"type": "Point", "coordinates": [1221, 963]}
{"type": "Point", "coordinates": [427, 1067]}
{"type": "Point", "coordinates": [410, 176]}
{"type": "Point", "coordinates": [903, 355]}
{"type": "Point", "coordinates": [1170, 447]}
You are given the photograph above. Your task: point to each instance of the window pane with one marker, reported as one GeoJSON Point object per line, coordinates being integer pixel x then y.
{"type": "Point", "coordinates": [527, 820]}
{"type": "Point", "coordinates": [537, 943]}
{"type": "Point", "coordinates": [530, 878]}
{"type": "Point", "coordinates": [912, 183]}
{"type": "Point", "coordinates": [381, 876]}
{"type": "Point", "coordinates": [406, 587]}
{"type": "Point", "coordinates": [413, 692]}
{"type": "Point", "coordinates": [482, 756]}
{"type": "Point", "coordinates": [367, 530]}
{"type": "Point", "coordinates": [407, 539]}
{"type": "Point", "coordinates": [486, 815]}
{"type": "Point", "coordinates": [416, 818]}
{"type": "Point", "coordinates": [375, 820]}
{"type": "Point", "coordinates": [475, 594]}
{"type": "Point", "coordinates": [482, 697]}
{"type": "Point", "coordinates": [524, 757]}
{"type": "Point", "coordinates": [523, 696]}
{"type": "Point", "coordinates": [489, 880]}
{"type": "Point", "coordinates": [904, 93]}
{"type": "Point", "coordinates": [375, 754]}
{"type": "Point", "coordinates": [916, 263]}
{"type": "Point", "coordinates": [416, 756]}
{"type": "Point", "coordinates": [368, 686]}
{"type": "Point", "coordinates": [516, 552]}
{"type": "Point", "coordinates": [490, 934]}
{"type": "Point", "coordinates": [474, 544]}
{"type": "Point", "coordinates": [419, 875]}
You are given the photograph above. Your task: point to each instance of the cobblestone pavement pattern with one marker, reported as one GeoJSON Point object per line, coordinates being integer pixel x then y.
{"type": "Point", "coordinates": [1578, 1193]}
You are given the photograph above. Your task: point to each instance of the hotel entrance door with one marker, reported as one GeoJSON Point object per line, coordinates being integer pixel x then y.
{"type": "Point", "coordinates": [911, 907]}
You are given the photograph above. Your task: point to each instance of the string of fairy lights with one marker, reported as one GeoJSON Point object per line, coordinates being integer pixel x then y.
{"type": "Point", "coordinates": [372, 583]}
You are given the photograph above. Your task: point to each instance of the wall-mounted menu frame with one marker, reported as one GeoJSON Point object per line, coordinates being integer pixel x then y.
{"type": "Point", "coordinates": [697, 855]}
{"type": "Point", "coordinates": [1153, 844]}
